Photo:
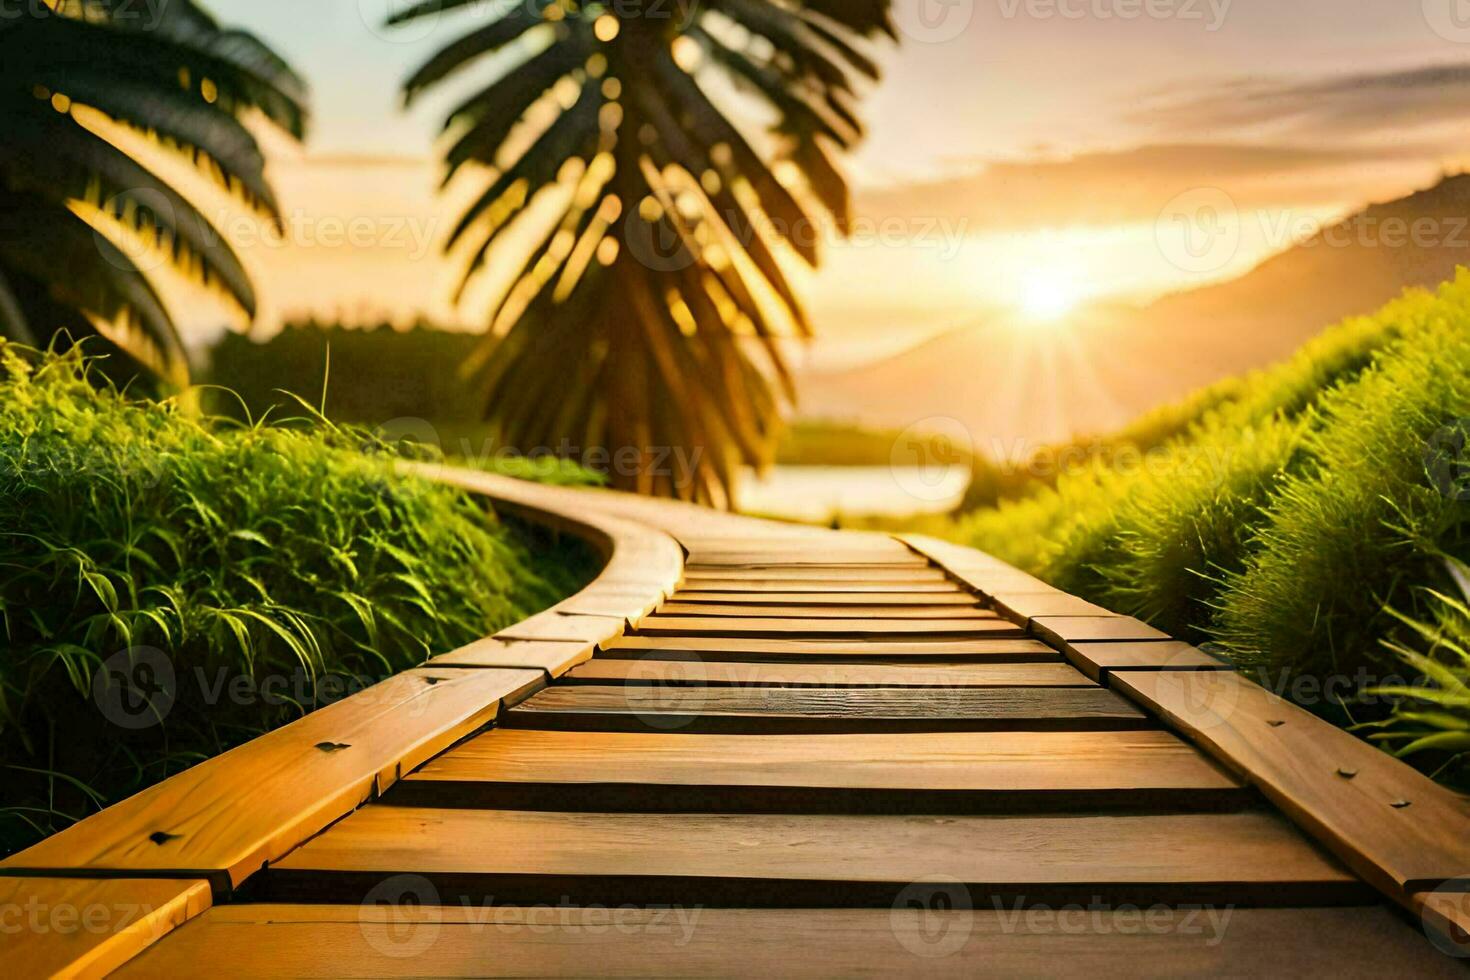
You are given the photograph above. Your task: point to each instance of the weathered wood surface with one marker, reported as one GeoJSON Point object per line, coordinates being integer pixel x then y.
{"type": "Point", "coordinates": [775, 859]}
{"type": "Point", "coordinates": [1386, 821]}
{"type": "Point", "coordinates": [946, 771]}
{"type": "Point", "coordinates": [698, 671]}
{"type": "Point", "coordinates": [232, 813]}
{"type": "Point", "coordinates": [556, 657]}
{"type": "Point", "coordinates": [867, 600]}
{"type": "Point", "coordinates": [904, 576]}
{"type": "Point", "coordinates": [1063, 631]}
{"type": "Point", "coordinates": [1097, 660]}
{"type": "Point", "coordinates": [78, 927]}
{"type": "Point", "coordinates": [933, 585]}
{"type": "Point", "coordinates": [794, 628]}
{"type": "Point", "coordinates": [859, 649]}
{"type": "Point", "coordinates": [788, 710]}
{"type": "Point", "coordinates": [325, 942]}
{"type": "Point", "coordinates": [741, 610]}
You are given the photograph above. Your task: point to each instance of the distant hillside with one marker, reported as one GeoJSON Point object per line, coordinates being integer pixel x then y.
{"type": "Point", "coordinates": [1111, 364]}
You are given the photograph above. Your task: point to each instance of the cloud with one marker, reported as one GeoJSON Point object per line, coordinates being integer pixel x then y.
{"type": "Point", "coordinates": [1271, 143]}
{"type": "Point", "coordinates": [1134, 184]}
{"type": "Point", "coordinates": [1351, 106]}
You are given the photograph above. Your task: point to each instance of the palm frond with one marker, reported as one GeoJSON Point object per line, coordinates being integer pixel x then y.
{"type": "Point", "coordinates": [182, 81]}
{"type": "Point", "coordinates": [650, 313]}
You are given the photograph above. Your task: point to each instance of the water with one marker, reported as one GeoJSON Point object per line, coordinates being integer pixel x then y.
{"type": "Point", "coordinates": [819, 493]}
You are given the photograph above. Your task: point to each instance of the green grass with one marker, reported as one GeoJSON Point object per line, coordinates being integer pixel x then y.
{"type": "Point", "coordinates": [1299, 519]}
{"type": "Point", "coordinates": [286, 554]}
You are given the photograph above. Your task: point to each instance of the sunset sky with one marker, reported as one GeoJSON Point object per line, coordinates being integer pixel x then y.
{"type": "Point", "coordinates": [1023, 154]}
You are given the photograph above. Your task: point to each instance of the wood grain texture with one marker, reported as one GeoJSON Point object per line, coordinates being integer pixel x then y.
{"type": "Point", "coordinates": [658, 625]}
{"type": "Point", "coordinates": [797, 573]}
{"type": "Point", "coordinates": [232, 813]}
{"type": "Point", "coordinates": [284, 942]}
{"type": "Point", "coordinates": [555, 625]}
{"type": "Point", "coordinates": [553, 656]}
{"type": "Point", "coordinates": [796, 586]}
{"type": "Point", "coordinates": [806, 557]}
{"type": "Point", "coordinates": [612, 858]}
{"type": "Point", "coordinates": [797, 710]}
{"type": "Point", "coordinates": [1004, 770]}
{"type": "Point", "coordinates": [74, 927]}
{"type": "Point", "coordinates": [1392, 825]}
{"type": "Point", "coordinates": [950, 597]}
{"type": "Point", "coordinates": [619, 602]}
{"type": "Point", "coordinates": [857, 649]}
{"type": "Point", "coordinates": [748, 674]}
{"type": "Point", "coordinates": [1097, 660]}
{"type": "Point", "coordinates": [1022, 607]}
{"type": "Point", "coordinates": [747, 610]}
{"type": "Point", "coordinates": [1063, 630]}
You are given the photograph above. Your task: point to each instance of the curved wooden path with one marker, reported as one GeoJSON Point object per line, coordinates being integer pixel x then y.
{"type": "Point", "coordinates": [752, 748]}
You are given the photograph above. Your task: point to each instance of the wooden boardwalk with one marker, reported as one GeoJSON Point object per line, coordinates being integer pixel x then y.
{"type": "Point", "coordinates": [750, 748]}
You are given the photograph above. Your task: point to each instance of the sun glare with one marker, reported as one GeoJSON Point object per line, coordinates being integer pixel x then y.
{"type": "Point", "coordinates": [1046, 296]}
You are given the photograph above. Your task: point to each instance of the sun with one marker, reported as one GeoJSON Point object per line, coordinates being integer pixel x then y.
{"type": "Point", "coordinates": [1046, 296]}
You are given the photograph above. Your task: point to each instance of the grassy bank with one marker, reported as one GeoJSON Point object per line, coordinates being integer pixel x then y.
{"type": "Point", "coordinates": [172, 585]}
{"type": "Point", "coordinates": [1309, 521]}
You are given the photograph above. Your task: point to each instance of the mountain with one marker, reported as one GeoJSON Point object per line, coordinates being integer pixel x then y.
{"type": "Point", "coordinates": [1014, 388]}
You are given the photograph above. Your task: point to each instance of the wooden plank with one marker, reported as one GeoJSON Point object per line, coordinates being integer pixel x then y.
{"type": "Point", "coordinates": [943, 772]}
{"type": "Point", "coordinates": [858, 649]}
{"type": "Point", "coordinates": [1022, 607]}
{"type": "Point", "coordinates": [1394, 826]}
{"type": "Point", "coordinates": [1063, 630]}
{"type": "Point", "coordinates": [553, 656]}
{"type": "Point", "coordinates": [829, 628]}
{"type": "Point", "coordinates": [75, 927]}
{"type": "Point", "coordinates": [797, 860]}
{"type": "Point", "coordinates": [808, 556]}
{"type": "Point", "coordinates": [230, 814]}
{"type": "Point", "coordinates": [1097, 660]}
{"type": "Point", "coordinates": [951, 597]}
{"type": "Point", "coordinates": [753, 611]}
{"type": "Point", "coordinates": [797, 573]}
{"type": "Point", "coordinates": [619, 602]}
{"type": "Point", "coordinates": [324, 942]}
{"type": "Point", "coordinates": [805, 710]}
{"type": "Point", "coordinates": [554, 625]}
{"type": "Point", "coordinates": [750, 674]}
{"type": "Point", "coordinates": [743, 588]}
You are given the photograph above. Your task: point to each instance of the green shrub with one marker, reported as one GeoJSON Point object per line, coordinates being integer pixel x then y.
{"type": "Point", "coordinates": [1361, 522]}
{"type": "Point", "coordinates": [1430, 723]}
{"type": "Point", "coordinates": [240, 554]}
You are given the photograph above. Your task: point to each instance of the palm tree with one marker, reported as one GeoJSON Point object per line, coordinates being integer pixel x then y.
{"type": "Point", "coordinates": [650, 312]}
{"type": "Point", "coordinates": [81, 221]}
